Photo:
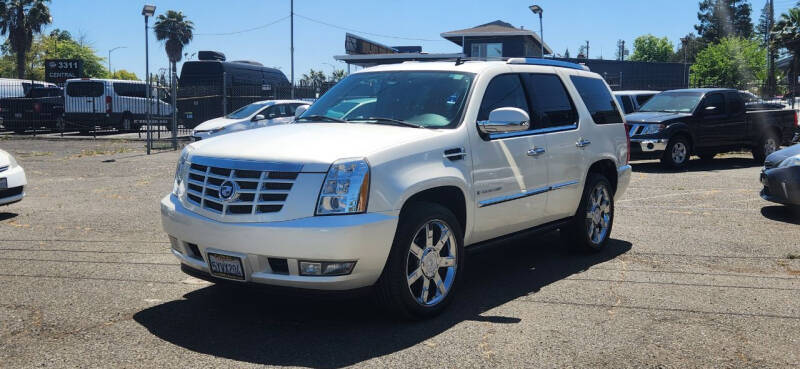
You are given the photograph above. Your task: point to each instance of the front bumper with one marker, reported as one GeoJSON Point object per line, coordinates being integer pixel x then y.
{"type": "Point", "coordinates": [781, 185]}
{"type": "Point", "coordinates": [16, 181]}
{"type": "Point", "coordinates": [644, 147]}
{"type": "Point", "coordinates": [364, 238]}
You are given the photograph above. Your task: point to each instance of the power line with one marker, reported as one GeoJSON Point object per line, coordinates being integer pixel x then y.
{"type": "Point", "coordinates": [366, 33]}
{"type": "Point", "coordinates": [240, 31]}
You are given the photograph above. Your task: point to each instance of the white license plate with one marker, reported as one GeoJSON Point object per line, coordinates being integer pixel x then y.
{"type": "Point", "coordinates": [3, 183]}
{"type": "Point", "coordinates": [226, 266]}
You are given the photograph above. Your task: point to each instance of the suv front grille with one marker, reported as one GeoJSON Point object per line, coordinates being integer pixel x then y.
{"type": "Point", "coordinates": [258, 192]}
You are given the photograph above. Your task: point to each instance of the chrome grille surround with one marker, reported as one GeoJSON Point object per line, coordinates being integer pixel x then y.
{"type": "Point", "coordinates": [262, 188]}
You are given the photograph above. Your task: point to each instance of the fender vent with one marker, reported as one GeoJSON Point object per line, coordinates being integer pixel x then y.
{"type": "Point", "coordinates": [455, 154]}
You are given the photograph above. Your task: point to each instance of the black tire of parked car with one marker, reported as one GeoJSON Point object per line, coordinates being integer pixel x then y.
{"type": "Point", "coordinates": [672, 158]}
{"type": "Point", "coordinates": [767, 144]}
{"type": "Point", "coordinates": [576, 232]}
{"type": "Point", "coordinates": [392, 290]}
{"type": "Point", "coordinates": [127, 123]}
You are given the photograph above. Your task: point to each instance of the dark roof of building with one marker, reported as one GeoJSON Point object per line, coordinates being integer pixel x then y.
{"type": "Point", "coordinates": [496, 28]}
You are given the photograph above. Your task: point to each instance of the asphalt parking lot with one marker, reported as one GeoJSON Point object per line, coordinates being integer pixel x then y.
{"type": "Point", "coordinates": [701, 272]}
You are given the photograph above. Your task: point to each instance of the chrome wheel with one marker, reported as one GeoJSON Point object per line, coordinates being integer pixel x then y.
{"type": "Point", "coordinates": [431, 263]}
{"type": "Point", "coordinates": [679, 152]}
{"type": "Point", "coordinates": [598, 214]}
{"type": "Point", "coordinates": [770, 146]}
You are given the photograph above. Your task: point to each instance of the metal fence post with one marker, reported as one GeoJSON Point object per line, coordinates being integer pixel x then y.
{"type": "Point", "coordinates": [174, 88]}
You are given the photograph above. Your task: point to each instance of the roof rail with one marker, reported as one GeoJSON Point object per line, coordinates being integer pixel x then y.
{"type": "Point", "coordinates": [548, 62]}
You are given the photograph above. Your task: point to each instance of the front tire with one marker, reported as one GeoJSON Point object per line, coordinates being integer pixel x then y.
{"type": "Point", "coordinates": [425, 264]}
{"type": "Point", "coordinates": [591, 226]}
{"type": "Point", "coordinates": [677, 153]}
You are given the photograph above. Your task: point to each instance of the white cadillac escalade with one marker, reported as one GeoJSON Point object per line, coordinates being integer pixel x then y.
{"type": "Point", "coordinates": [387, 179]}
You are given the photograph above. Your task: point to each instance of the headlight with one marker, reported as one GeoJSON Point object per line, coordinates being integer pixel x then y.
{"type": "Point", "coordinates": [790, 162]}
{"type": "Point", "coordinates": [182, 170]}
{"type": "Point", "coordinates": [345, 189]}
{"type": "Point", "coordinates": [650, 129]}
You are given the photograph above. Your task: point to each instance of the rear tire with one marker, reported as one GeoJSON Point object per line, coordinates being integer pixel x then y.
{"type": "Point", "coordinates": [127, 123]}
{"type": "Point", "coordinates": [591, 226]}
{"type": "Point", "coordinates": [768, 144]}
{"type": "Point", "coordinates": [677, 153]}
{"type": "Point", "coordinates": [425, 264]}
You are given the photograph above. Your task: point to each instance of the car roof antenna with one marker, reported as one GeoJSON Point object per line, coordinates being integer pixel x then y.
{"type": "Point", "coordinates": [459, 61]}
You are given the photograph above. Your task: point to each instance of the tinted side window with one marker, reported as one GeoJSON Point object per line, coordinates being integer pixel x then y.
{"type": "Point", "coordinates": [641, 99]}
{"type": "Point", "coordinates": [504, 91]}
{"type": "Point", "coordinates": [85, 89]}
{"type": "Point", "coordinates": [549, 100]}
{"type": "Point", "coordinates": [130, 89]}
{"type": "Point", "coordinates": [598, 99]}
{"type": "Point", "coordinates": [735, 103]}
{"type": "Point", "coordinates": [717, 101]}
{"type": "Point", "coordinates": [625, 103]}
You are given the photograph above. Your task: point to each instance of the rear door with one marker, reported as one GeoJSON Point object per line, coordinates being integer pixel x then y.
{"type": "Point", "coordinates": [85, 97]}
{"type": "Point", "coordinates": [554, 116]}
{"type": "Point", "coordinates": [712, 123]}
{"type": "Point", "coordinates": [735, 129]}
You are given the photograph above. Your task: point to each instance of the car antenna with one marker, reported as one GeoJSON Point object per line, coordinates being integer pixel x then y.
{"type": "Point", "coordinates": [459, 61]}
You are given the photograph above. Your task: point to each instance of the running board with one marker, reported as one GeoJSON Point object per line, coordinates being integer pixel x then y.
{"type": "Point", "coordinates": [500, 241]}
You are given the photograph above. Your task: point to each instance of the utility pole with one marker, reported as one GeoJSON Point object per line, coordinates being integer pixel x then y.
{"type": "Point", "coordinates": [587, 49]}
{"type": "Point", "coordinates": [291, 37]}
{"type": "Point", "coordinates": [770, 61]}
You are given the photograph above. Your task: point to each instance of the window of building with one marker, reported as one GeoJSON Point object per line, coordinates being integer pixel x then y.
{"type": "Point", "coordinates": [487, 50]}
{"type": "Point", "coordinates": [598, 99]}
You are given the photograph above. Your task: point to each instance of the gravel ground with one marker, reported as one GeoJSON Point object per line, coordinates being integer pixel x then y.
{"type": "Point", "coordinates": [700, 273]}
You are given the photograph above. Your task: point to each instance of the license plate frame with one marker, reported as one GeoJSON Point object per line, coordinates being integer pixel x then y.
{"type": "Point", "coordinates": [224, 266]}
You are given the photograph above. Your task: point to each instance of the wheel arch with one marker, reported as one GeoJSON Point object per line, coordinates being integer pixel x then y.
{"type": "Point", "coordinates": [608, 168]}
{"type": "Point", "coordinates": [451, 196]}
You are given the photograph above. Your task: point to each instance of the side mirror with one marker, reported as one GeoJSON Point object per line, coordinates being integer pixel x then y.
{"type": "Point", "coordinates": [504, 120]}
{"type": "Point", "coordinates": [258, 117]}
{"type": "Point", "coordinates": [300, 110]}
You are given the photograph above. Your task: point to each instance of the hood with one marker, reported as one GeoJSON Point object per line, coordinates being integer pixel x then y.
{"type": "Point", "coordinates": [315, 145]}
{"type": "Point", "coordinates": [216, 123]}
{"type": "Point", "coordinates": [653, 117]}
{"type": "Point", "coordinates": [778, 156]}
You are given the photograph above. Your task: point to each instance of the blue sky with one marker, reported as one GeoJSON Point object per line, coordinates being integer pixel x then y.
{"type": "Point", "coordinates": [567, 24]}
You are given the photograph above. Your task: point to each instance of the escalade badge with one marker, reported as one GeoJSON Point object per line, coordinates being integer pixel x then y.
{"type": "Point", "coordinates": [228, 191]}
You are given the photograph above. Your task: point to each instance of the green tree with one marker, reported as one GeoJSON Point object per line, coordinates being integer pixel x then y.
{"type": "Point", "coordinates": [53, 46]}
{"type": "Point", "coordinates": [690, 45]}
{"type": "Point", "coordinates": [176, 31]}
{"type": "Point", "coordinates": [733, 62]}
{"type": "Point", "coordinates": [124, 74]}
{"type": "Point", "coordinates": [786, 34]}
{"type": "Point", "coordinates": [724, 18]}
{"type": "Point", "coordinates": [313, 78]}
{"type": "Point", "coordinates": [19, 21]}
{"type": "Point", "coordinates": [337, 75]}
{"type": "Point", "coordinates": [566, 53]}
{"type": "Point", "coordinates": [649, 48]}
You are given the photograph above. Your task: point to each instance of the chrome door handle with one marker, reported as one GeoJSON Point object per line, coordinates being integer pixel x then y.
{"type": "Point", "coordinates": [583, 143]}
{"type": "Point", "coordinates": [536, 151]}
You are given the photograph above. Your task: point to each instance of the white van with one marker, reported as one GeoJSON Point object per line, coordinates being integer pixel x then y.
{"type": "Point", "coordinates": [91, 102]}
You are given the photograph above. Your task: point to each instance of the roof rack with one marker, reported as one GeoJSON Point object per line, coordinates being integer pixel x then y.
{"type": "Point", "coordinates": [547, 62]}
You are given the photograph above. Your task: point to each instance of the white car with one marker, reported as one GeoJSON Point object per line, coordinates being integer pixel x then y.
{"type": "Point", "coordinates": [12, 179]}
{"type": "Point", "coordinates": [631, 101]}
{"type": "Point", "coordinates": [448, 156]}
{"type": "Point", "coordinates": [256, 115]}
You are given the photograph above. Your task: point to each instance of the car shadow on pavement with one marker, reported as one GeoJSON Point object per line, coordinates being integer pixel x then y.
{"type": "Point", "coordinates": [273, 329]}
{"type": "Point", "coordinates": [781, 213]}
{"type": "Point", "coordinates": [696, 165]}
{"type": "Point", "coordinates": [7, 216]}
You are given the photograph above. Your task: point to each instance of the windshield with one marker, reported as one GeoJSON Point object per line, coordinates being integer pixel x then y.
{"type": "Point", "coordinates": [413, 98]}
{"type": "Point", "coordinates": [672, 102]}
{"type": "Point", "coordinates": [246, 111]}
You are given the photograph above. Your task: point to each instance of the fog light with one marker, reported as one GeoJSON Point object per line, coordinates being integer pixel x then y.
{"type": "Point", "coordinates": [321, 268]}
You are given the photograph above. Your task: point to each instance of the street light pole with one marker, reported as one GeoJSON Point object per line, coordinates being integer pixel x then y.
{"type": "Point", "coordinates": [109, 56]}
{"type": "Point", "coordinates": [536, 9]}
{"type": "Point", "coordinates": [148, 11]}
{"type": "Point", "coordinates": [291, 37]}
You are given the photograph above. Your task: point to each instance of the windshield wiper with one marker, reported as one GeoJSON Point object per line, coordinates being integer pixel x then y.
{"type": "Point", "coordinates": [322, 117]}
{"type": "Point", "coordinates": [391, 121]}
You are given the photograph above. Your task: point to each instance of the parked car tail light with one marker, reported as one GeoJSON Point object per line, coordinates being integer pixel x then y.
{"type": "Point", "coordinates": [628, 128]}
{"type": "Point", "coordinates": [108, 104]}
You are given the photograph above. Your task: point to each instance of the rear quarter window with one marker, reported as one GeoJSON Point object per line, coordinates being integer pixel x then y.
{"type": "Point", "coordinates": [85, 89]}
{"type": "Point", "coordinates": [598, 99]}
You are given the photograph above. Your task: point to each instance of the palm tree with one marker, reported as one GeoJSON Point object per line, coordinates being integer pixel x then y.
{"type": "Point", "coordinates": [19, 21]}
{"type": "Point", "coordinates": [786, 34]}
{"type": "Point", "coordinates": [176, 31]}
